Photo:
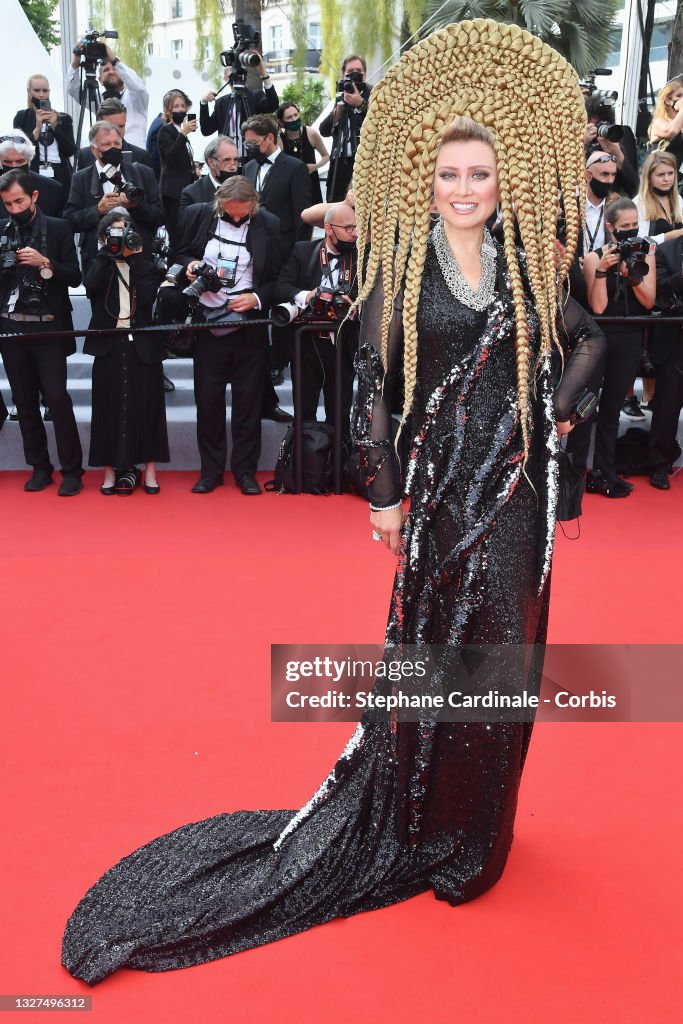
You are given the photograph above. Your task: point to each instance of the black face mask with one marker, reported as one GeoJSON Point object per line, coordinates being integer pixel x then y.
{"type": "Point", "coordinates": [236, 223]}
{"type": "Point", "coordinates": [111, 156]}
{"type": "Point", "coordinates": [601, 189]}
{"type": "Point", "coordinates": [293, 126]}
{"type": "Point", "coordinates": [344, 246]}
{"type": "Point", "coordinates": [5, 167]}
{"type": "Point", "coordinates": [24, 217]}
{"type": "Point", "coordinates": [662, 191]}
{"type": "Point", "coordinates": [221, 176]}
{"type": "Point", "coordinates": [35, 101]}
{"type": "Point", "coordinates": [254, 153]}
{"type": "Point", "coordinates": [178, 116]}
{"type": "Point", "coordinates": [623, 236]}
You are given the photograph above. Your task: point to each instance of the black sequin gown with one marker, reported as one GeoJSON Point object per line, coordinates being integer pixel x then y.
{"type": "Point", "coordinates": [408, 807]}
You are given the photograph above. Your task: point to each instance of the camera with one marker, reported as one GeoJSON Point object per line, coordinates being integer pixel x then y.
{"type": "Point", "coordinates": [633, 252]}
{"type": "Point", "coordinates": [346, 84]}
{"type": "Point", "coordinates": [118, 239]}
{"type": "Point", "coordinates": [328, 304]}
{"type": "Point", "coordinates": [8, 254]}
{"type": "Point", "coordinates": [242, 55]}
{"type": "Point", "coordinates": [91, 50]}
{"type": "Point", "coordinates": [159, 251]}
{"type": "Point", "coordinates": [611, 132]}
{"type": "Point", "coordinates": [32, 298]}
{"type": "Point", "coordinates": [132, 192]}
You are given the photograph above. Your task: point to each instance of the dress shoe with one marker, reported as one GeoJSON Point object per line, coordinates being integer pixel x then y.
{"type": "Point", "coordinates": [107, 490]}
{"type": "Point", "coordinates": [278, 415]}
{"type": "Point", "coordinates": [39, 479]}
{"type": "Point", "coordinates": [168, 384]}
{"type": "Point", "coordinates": [660, 480]}
{"type": "Point", "coordinates": [70, 486]}
{"type": "Point", "coordinates": [598, 483]}
{"type": "Point", "coordinates": [151, 488]}
{"type": "Point", "coordinates": [206, 484]}
{"type": "Point", "coordinates": [277, 377]}
{"type": "Point", "coordinates": [248, 484]}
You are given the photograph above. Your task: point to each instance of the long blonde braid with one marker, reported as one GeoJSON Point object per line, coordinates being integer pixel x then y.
{"type": "Point", "coordinates": [528, 97]}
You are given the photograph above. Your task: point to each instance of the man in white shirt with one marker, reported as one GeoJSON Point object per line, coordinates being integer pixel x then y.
{"type": "Point", "coordinates": [118, 80]}
{"type": "Point", "coordinates": [601, 170]}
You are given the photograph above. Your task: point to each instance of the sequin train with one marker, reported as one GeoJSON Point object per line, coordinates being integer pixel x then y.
{"type": "Point", "coordinates": [408, 807]}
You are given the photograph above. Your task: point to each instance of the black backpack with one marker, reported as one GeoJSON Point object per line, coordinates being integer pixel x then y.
{"type": "Point", "coordinates": [318, 460]}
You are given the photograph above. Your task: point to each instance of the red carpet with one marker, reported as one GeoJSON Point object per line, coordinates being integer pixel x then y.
{"type": "Point", "coordinates": [135, 666]}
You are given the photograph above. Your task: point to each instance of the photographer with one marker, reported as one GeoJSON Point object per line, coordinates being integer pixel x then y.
{"type": "Point", "coordinates": [38, 264]}
{"type": "Point", "coordinates": [52, 133]}
{"type": "Point", "coordinates": [229, 112]}
{"type": "Point", "coordinates": [118, 81]}
{"type": "Point", "coordinates": [603, 135]}
{"type": "Point", "coordinates": [242, 245]}
{"type": "Point", "coordinates": [128, 410]}
{"type": "Point", "coordinates": [222, 161]}
{"type": "Point", "coordinates": [113, 112]}
{"type": "Point", "coordinates": [601, 170]}
{"type": "Point", "coordinates": [177, 159]}
{"type": "Point", "coordinates": [620, 281]}
{"type": "Point", "coordinates": [666, 352]}
{"type": "Point", "coordinates": [316, 274]}
{"type": "Point", "coordinates": [16, 152]}
{"type": "Point", "coordinates": [344, 124]}
{"type": "Point", "coordinates": [111, 182]}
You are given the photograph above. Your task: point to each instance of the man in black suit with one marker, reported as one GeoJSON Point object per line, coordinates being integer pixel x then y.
{"type": "Point", "coordinates": [97, 190]}
{"type": "Point", "coordinates": [330, 263]}
{"type": "Point", "coordinates": [243, 245]}
{"type": "Point", "coordinates": [16, 150]}
{"type": "Point", "coordinates": [34, 298]}
{"type": "Point", "coordinates": [114, 112]}
{"type": "Point", "coordinates": [344, 123]}
{"type": "Point", "coordinates": [229, 113]}
{"type": "Point", "coordinates": [666, 352]}
{"type": "Point", "coordinates": [221, 159]}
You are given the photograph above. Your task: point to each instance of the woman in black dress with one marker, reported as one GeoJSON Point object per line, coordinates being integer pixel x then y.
{"type": "Point", "coordinates": [52, 133]}
{"type": "Point", "coordinates": [177, 159]}
{"type": "Point", "coordinates": [304, 143]}
{"type": "Point", "coordinates": [414, 806]}
{"type": "Point", "coordinates": [128, 408]}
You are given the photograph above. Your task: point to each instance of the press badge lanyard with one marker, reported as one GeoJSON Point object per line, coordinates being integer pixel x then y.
{"type": "Point", "coordinates": [591, 237]}
{"type": "Point", "coordinates": [345, 270]}
{"type": "Point", "coordinates": [227, 265]}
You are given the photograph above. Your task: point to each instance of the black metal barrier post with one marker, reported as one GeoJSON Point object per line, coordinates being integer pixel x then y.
{"type": "Point", "coordinates": [299, 330]}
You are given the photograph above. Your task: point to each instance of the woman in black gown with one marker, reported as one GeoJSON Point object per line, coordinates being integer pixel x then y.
{"type": "Point", "coordinates": [128, 401]}
{"type": "Point", "coordinates": [413, 806]}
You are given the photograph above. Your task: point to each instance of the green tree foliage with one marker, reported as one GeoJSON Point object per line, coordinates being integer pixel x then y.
{"type": "Point", "coordinates": [580, 31]}
{"type": "Point", "coordinates": [132, 19]}
{"type": "Point", "coordinates": [309, 97]}
{"type": "Point", "coordinates": [41, 14]}
{"type": "Point", "coordinates": [299, 25]}
{"type": "Point", "coordinates": [374, 27]}
{"type": "Point", "coordinates": [333, 39]}
{"type": "Point", "coordinates": [208, 21]}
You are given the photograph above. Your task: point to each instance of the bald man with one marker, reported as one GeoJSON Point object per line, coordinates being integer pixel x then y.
{"type": "Point", "coordinates": [601, 170]}
{"type": "Point", "coordinates": [330, 263]}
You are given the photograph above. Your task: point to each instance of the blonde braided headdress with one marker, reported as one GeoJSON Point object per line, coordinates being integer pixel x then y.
{"type": "Point", "coordinates": [528, 97]}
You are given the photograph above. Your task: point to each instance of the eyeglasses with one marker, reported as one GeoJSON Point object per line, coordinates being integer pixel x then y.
{"type": "Point", "coordinates": [343, 227]}
{"type": "Point", "coordinates": [13, 138]}
{"type": "Point", "coordinates": [605, 159]}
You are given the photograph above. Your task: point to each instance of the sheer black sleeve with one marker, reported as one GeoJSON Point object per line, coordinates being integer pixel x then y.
{"type": "Point", "coordinates": [371, 422]}
{"type": "Point", "coordinates": [584, 358]}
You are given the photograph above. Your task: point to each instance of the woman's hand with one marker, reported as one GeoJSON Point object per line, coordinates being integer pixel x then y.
{"type": "Point", "coordinates": [242, 303]}
{"type": "Point", "coordinates": [189, 125]}
{"type": "Point", "coordinates": [610, 258]}
{"type": "Point", "coordinates": [563, 427]}
{"type": "Point", "coordinates": [388, 523]}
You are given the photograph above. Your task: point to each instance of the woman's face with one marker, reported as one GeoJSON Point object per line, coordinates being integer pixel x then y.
{"type": "Point", "coordinates": [677, 94]}
{"type": "Point", "coordinates": [178, 105]}
{"type": "Point", "coordinates": [290, 114]}
{"type": "Point", "coordinates": [662, 176]}
{"type": "Point", "coordinates": [466, 183]}
{"type": "Point", "coordinates": [625, 220]}
{"type": "Point", "coordinates": [39, 89]}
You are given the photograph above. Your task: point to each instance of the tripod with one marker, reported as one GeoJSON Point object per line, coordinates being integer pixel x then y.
{"type": "Point", "coordinates": [343, 139]}
{"type": "Point", "coordinates": [240, 111]}
{"type": "Point", "coordinates": [88, 96]}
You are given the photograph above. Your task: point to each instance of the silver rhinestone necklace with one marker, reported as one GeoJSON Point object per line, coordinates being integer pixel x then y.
{"type": "Point", "coordinates": [454, 276]}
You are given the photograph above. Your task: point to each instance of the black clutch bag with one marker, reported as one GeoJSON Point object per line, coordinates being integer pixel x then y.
{"type": "Point", "coordinates": [571, 486]}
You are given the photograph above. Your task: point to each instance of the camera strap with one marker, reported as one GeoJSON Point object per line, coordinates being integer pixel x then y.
{"type": "Point", "coordinates": [345, 268]}
{"type": "Point", "coordinates": [591, 236]}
